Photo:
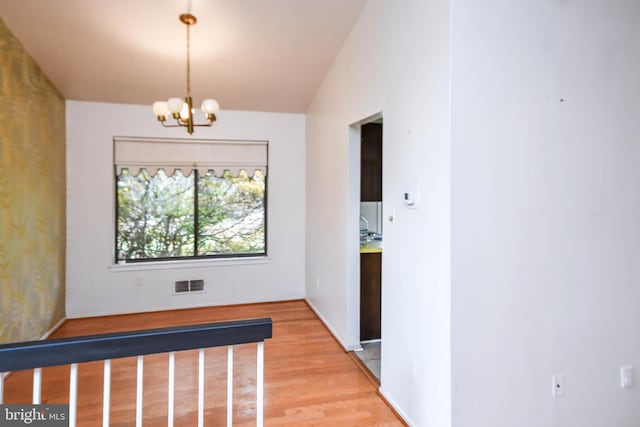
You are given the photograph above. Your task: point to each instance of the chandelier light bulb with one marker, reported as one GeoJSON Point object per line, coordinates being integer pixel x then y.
{"type": "Point", "coordinates": [184, 112]}
{"type": "Point", "coordinates": [210, 106]}
{"type": "Point", "coordinates": [175, 105]}
{"type": "Point", "coordinates": [160, 109]}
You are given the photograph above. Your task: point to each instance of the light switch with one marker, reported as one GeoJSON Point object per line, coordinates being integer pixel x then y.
{"type": "Point", "coordinates": [407, 198]}
{"type": "Point", "coordinates": [411, 197]}
{"type": "Point", "coordinates": [626, 376]}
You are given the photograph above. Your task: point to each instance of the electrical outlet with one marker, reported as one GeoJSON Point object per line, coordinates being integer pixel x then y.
{"type": "Point", "coordinates": [626, 376]}
{"type": "Point", "coordinates": [558, 385]}
{"type": "Point", "coordinates": [317, 283]}
{"type": "Point", "coordinates": [392, 218]}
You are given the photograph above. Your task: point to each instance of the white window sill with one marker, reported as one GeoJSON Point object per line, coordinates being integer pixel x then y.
{"type": "Point", "coordinates": [189, 263]}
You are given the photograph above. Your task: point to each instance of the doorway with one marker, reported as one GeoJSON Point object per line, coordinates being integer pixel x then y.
{"type": "Point", "coordinates": [371, 241]}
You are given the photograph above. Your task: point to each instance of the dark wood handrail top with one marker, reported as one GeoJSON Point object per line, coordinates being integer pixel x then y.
{"type": "Point", "coordinates": [64, 351]}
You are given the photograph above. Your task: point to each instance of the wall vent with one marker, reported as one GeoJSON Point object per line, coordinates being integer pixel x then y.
{"type": "Point", "coordinates": [196, 285]}
{"type": "Point", "coordinates": [181, 286]}
{"type": "Point", "coordinates": [187, 286]}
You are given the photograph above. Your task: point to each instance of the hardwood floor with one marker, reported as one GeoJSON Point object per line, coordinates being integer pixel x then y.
{"type": "Point", "coordinates": [309, 379]}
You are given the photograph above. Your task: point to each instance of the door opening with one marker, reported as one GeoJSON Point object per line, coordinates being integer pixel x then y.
{"type": "Point", "coordinates": [371, 242]}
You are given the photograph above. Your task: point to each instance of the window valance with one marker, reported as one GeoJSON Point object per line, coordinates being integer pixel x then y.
{"type": "Point", "coordinates": [189, 154]}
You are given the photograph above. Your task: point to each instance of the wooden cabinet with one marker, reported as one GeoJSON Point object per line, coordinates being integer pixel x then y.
{"type": "Point", "coordinates": [370, 295]}
{"type": "Point", "coordinates": [371, 163]}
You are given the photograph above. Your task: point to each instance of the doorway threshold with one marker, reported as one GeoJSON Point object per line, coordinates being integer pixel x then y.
{"type": "Point", "coordinates": [368, 359]}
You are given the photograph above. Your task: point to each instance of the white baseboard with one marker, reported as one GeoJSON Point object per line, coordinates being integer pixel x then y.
{"type": "Point", "coordinates": [333, 332]}
{"type": "Point", "coordinates": [53, 329]}
{"type": "Point", "coordinates": [395, 407]}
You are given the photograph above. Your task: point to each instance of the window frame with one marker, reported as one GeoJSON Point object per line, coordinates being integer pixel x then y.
{"type": "Point", "coordinates": [196, 260]}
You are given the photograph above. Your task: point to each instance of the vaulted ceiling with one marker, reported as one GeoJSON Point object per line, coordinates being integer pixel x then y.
{"type": "Point", "coordinates": [261, 55]}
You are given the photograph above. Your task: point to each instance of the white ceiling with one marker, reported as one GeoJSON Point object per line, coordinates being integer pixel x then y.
{"type": "Point", "coordinates": [261, 55]}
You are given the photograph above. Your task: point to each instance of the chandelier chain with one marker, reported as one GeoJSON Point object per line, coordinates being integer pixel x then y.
{"type": "Point", "coordinates": [188, 61]}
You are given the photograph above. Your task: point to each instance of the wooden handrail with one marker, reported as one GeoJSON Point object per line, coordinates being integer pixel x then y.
{"type": "Point", "coordinates": [64, 351]}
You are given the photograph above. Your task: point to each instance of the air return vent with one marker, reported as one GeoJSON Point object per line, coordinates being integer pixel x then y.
{"type": "Point", "coordinates": [196, 285]}
{"type": "Point", "coordinates": [187, 286]}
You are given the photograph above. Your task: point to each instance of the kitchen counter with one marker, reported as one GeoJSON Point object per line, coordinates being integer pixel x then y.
{"type": "Point", "coordinates": [372, 247]}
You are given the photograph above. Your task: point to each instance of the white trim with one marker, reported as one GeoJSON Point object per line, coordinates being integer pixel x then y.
{"type": "Point", "coordinates": [396, 408]}
{"type": "Point", "coordinates": [173, 307]}
{"type": "Point", "coordinates": [73, 394]}
{"type": "Point", "coordinates": [106, 393]}
{"type": "Point", "coordinates": [139, 390]}
{"type": "Point", "coordinates": [201, 374]}
{"type": "Point", "coordinates": [229, 386]}
{"type": "Point", "coordinates": [188, 263]}
{"type": "Point", "coordinates": [171, 389]}
{"type": "Point", "coordinates": [53, 329]}
{"type": "Point", "coordinates": [333, 332]}
{"type": "Point", "coordinates": [260, 384]}
{"type": "Point", "coordinates": [37, 386]}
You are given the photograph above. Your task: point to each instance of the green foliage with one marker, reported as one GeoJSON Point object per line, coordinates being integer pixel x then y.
{"type": "Point", "coordinates": [231, 214]}
{"type": "Point", "coordinates": [156, 215]}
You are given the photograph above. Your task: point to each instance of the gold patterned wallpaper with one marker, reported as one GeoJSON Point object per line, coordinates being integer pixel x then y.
{"type": "Point", "coordinates": [32, 196]}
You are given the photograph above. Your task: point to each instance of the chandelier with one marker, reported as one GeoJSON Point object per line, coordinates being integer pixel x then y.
{"type": "Point", "coordinates": [182, 110]}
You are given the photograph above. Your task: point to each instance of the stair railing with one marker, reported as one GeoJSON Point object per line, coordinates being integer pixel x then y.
{"type": "Point", "coordinates": [72, 351]}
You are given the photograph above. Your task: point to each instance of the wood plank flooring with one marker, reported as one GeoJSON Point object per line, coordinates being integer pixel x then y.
{"type": "Point", "coordinates": [309, 379]}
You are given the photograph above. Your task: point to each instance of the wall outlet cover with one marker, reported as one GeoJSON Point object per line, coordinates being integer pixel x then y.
{"type": "Point", "coordinates": [626, 376]}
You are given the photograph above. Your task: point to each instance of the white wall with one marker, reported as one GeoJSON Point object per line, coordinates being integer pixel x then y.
{"type": "Point", "coordinates": [396, 61]}
{"type": "Point", "coordinates": [93, 288]}
{"type": "Point", "coordinates": [546, 202]}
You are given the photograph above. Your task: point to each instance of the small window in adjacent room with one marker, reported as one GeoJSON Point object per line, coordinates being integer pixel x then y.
{"type": "Point", "coordinates": [189, 199]}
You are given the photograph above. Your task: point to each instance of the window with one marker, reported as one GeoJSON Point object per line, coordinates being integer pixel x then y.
{"type": "Point", "coordinates": [167, 210]}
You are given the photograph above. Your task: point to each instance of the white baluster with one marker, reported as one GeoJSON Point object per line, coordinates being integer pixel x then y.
{"type": "Point", "coordinates": [260, 386]}
{"type": "Point", "coordinates": [201, 387]}
{"type": "Point", "coordinates": [106, 393]}
{"type": "Point", "coordinates": [172, 364]}
{"type": "Point", "coordinates": [73, 394]}
{"type": "Point", "coordinates": [37, 385]}
{"type": "Point", "coordinates": [229, 386]}
{"type": "Point", "coordinates": [140, 378]}
{"type": "Point", "coordinates": [1, 387]}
